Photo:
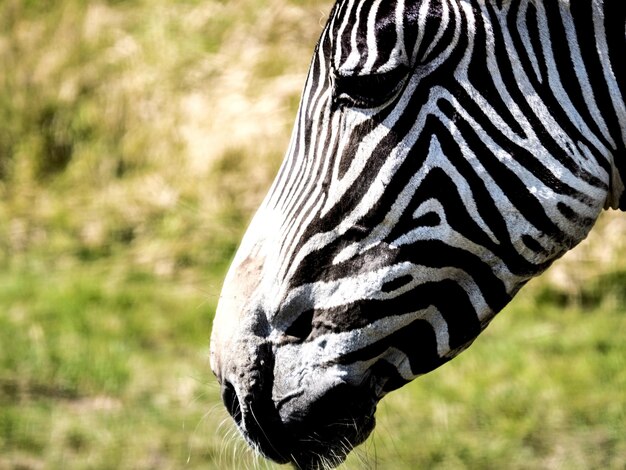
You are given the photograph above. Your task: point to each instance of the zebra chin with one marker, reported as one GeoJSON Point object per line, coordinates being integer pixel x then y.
{"type": "Point", "coordinates": [299, 431]}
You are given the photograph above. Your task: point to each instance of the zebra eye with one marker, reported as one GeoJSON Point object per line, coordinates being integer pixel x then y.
{"type": "Point", "coordinates": [368, 91]}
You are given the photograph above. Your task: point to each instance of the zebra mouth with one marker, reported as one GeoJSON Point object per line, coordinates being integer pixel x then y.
{"type": "Point", "coordinates": [329, 447]}
{"type": "Point", "coordinates": [310, 436]}
{"type": "Point", "coordinates": [322, 447]}
{"type": "Point", "coordinates": [330, 427]}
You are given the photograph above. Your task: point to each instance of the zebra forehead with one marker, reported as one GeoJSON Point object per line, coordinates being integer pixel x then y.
{"type": "Point", "coordinates": [378, 36]}
{"type": "Point", "coordinates": [375, 37]}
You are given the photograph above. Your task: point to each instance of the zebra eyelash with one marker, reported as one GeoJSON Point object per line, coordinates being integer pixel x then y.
{"type": "Point", "coordinates": [368, 91]}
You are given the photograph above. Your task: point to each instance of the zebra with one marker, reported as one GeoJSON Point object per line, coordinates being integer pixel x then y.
{"type": "Point", "coordinates": [444, 153]}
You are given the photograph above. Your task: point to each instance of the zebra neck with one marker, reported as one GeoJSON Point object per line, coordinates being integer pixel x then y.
{"type": "Point", "coordinates": [580, 56]}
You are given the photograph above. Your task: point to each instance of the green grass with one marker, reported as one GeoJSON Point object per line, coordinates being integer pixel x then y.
{"type": "Point", "coordinates": [92, 361]}
{"type": "Point", "coordinates": [136, 140]}
{"type": "Point", "coordinates": [104, 366]}
{"type": "Point", "coordinates": [542, 388]}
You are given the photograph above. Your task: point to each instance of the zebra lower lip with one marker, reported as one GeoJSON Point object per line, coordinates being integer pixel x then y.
{"type": "Point", "coordinates": [313, 460]}
{"type": "Point", "coordinates": [324, 446]}
{"type": "Point", "coordinates": [329, 447]}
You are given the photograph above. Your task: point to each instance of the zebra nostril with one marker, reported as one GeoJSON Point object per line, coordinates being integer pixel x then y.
{"type": "Point", "coordinates": [231, 401]}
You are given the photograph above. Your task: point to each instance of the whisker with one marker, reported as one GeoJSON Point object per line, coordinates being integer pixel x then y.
{"type": "Point", "coordinates": [263, 431]}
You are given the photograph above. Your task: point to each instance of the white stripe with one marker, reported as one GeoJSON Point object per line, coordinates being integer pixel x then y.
{"type": "Point", "coordinates": [581, 70]}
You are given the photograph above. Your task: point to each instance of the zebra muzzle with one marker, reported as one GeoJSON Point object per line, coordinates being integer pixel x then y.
{"type": "Point", "coordinates": [311, 429]}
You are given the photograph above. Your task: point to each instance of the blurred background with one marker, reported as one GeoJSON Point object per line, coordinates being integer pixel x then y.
{"type": "Point", "coordinates": [136, 140]}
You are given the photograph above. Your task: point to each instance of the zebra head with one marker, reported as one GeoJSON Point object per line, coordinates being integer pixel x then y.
{"type": "Point", "coordinates": [444, 153]}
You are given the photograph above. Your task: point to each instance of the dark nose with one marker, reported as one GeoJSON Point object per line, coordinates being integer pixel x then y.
{"type": "Point", "coordinates": [231, 401]}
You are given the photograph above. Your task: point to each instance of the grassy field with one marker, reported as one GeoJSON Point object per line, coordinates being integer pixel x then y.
{"type": "Point", "coordinates": [136, 139]}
